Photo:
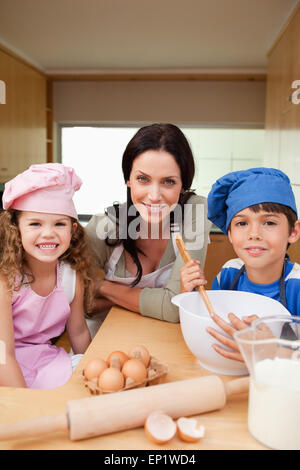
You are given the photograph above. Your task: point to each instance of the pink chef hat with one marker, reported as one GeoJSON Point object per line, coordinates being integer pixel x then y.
{"type": "Point", "coordinates": [47, 187]}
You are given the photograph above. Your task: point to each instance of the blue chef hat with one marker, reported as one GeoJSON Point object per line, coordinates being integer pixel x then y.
{"type": "Point", "coordinates": [240, 189]}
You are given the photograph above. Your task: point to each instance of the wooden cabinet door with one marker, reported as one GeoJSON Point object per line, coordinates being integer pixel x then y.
{"type": "Point", "coordinates": [219, 251]}
{"type": "Point", "coordinates": [6, 119]}
{"type": "Point", "coordinates": [289, 161]}
{"type": "Point", "coordinates": [295, 46]}
{"type": "Point", "coordinates": [22, 117]}
{"type": "Point", "coordinates": [282, 139]}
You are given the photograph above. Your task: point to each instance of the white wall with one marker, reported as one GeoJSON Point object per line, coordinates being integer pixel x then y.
{"type": "Point", "coordinates": [212, 103]}
{"type": "Point", "coordinates": [208, 102]}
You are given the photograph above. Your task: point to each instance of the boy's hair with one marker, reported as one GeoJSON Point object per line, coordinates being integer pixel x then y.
{"type": "Point", "coordinates": [279, 209]}
{"type": "Point", "coordinates": [276, 208]}
{"type": "Point", "coordinates": [12, 256]}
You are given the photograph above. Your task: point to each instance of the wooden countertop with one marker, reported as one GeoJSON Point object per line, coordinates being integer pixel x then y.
{"type": "Point", "coordinates": [225, 429]}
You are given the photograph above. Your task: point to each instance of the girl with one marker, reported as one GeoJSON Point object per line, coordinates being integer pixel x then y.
{"type": "Point", "coordinates": [134, 242]}
{"type": "Point", "coordinates": [45, 277]}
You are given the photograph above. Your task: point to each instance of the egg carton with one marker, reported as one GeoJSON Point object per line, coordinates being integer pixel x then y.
{"type": "Point", "coordinates": [156, 371]}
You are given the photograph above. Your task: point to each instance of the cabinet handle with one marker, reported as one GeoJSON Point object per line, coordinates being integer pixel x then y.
{"type": "Point", "coordinates": [3, 169]}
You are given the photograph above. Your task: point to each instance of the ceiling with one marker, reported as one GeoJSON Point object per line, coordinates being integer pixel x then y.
{"type": "Point", "coordinates": [96, 35]}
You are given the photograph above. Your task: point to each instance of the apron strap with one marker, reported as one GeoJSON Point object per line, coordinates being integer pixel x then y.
{"type": "Point", "coordinates": [114, 258]}
{"type": "Point", "coordinates": [282, 294]}
{"type": "Point", "coordinates": [175, 247]}
{"type": "Point", "coordinates": [287, 331]}
{"type": "Point", "coordinates": [235, 280]}
{"type": "Point", "coordinates": [281, 282]}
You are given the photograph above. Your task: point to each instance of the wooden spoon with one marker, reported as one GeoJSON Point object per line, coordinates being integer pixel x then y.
{"type": "Point", "coordinates": [186, 258]}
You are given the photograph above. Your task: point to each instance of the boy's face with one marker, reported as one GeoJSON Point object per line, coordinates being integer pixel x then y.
{"type": "Point", "coordinates": [260, 239]}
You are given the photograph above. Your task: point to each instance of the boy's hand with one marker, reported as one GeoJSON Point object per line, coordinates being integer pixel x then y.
{"type": "Point", "coordinates": [191, 276]}
{"type": "Point", "coordinates": [229, 328]}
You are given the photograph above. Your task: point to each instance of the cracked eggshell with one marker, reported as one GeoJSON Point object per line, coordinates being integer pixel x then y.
{"type": "Point", "coordinates": [188, 430]}
{"type": "Point", "coordinates": [160, 427]}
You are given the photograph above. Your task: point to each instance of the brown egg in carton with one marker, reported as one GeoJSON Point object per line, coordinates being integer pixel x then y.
{"type": "Point", "coordinates": [156, 370]}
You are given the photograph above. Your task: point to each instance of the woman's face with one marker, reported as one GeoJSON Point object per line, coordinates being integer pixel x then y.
{"type": "Point", "coordinates": [155, 184]}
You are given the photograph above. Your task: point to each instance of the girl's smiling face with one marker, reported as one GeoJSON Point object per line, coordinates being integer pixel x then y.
{"type": "Point", "coordinates": [260, 239]}
{"type": "Point", "coordinates": [155, 184]}
{"type": "Point", "coordinates": [45, 237]}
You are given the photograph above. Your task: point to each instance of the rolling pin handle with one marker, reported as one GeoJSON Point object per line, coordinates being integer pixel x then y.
{"type": "Point", "coordinates": [236, 386]}
{"type": "Point", "coordinates": [34, 427]}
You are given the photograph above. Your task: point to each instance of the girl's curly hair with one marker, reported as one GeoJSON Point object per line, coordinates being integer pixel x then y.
{"type": "Point", "coordinates": [12, 256]}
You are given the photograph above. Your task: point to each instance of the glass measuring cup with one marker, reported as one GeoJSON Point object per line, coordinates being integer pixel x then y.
{"type": "Point", "coordinates": [271, 350]}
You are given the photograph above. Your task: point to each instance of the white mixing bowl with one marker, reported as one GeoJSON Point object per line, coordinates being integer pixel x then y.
{"type": "Point", "coordinates": [194, 319]}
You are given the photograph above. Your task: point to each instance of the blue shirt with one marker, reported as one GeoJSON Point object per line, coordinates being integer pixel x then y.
{"type": "Point", "coordinates": [292, 283]}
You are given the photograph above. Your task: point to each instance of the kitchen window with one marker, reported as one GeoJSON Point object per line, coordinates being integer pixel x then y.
{"type": "Point", "coordinates": [96, 154]}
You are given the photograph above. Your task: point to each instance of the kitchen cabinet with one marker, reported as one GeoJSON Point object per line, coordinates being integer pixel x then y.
{"type": "Point", "coordinates": [49, 129]}
{"type": "Point", "coordinates": [219, 251]}
{"type": "Point", "coordinates": [282, 137]}
{"type": "Point", "coordinates": [22, 117]}
{"type": "Point", "coordinates": [294, 252]}
{"type": "Point", "coordinates": [289, 149]}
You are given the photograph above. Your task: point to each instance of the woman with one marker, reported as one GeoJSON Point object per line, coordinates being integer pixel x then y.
{"type": "Point", "coordinates": [135, 242]}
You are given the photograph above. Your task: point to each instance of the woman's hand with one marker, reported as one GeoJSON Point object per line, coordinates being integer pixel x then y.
{"type": "Point", "coordinates": [235, 324]}
{"type": "Point", "coordinates": [191, 276]}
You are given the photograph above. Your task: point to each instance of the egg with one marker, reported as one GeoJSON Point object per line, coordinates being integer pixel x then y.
{"type": "Point", "coordinates": [117, 354]}
{"type": "Point", "coordinates": [140, 352]}
{"type": "Point", "coordinates": [135, 370]}
{"type": "Point", "coordinates": [94, 368]}
{"type": "Point", "coordinates": [111, 380]}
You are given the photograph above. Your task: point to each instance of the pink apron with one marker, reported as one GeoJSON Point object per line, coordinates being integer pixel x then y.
{"type": "Point", "coordinates": [36, 320]}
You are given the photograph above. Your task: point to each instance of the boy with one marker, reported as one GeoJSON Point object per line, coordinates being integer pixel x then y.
{"type": "Point", "coordinates": [257, 209]}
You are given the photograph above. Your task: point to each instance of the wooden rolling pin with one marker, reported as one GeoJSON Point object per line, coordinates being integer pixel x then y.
{"type": "Point", "coordinates": [186, 258]}
{"type": "Point", "coordinates": [104, 414]}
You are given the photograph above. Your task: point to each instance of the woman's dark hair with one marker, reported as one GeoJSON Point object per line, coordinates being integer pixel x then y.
{"type": "Point", "coordinates": [166, 137]}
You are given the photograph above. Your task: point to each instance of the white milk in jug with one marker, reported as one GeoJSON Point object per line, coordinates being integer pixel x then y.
{"type": "Point", "coordinates": [274, 403]}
